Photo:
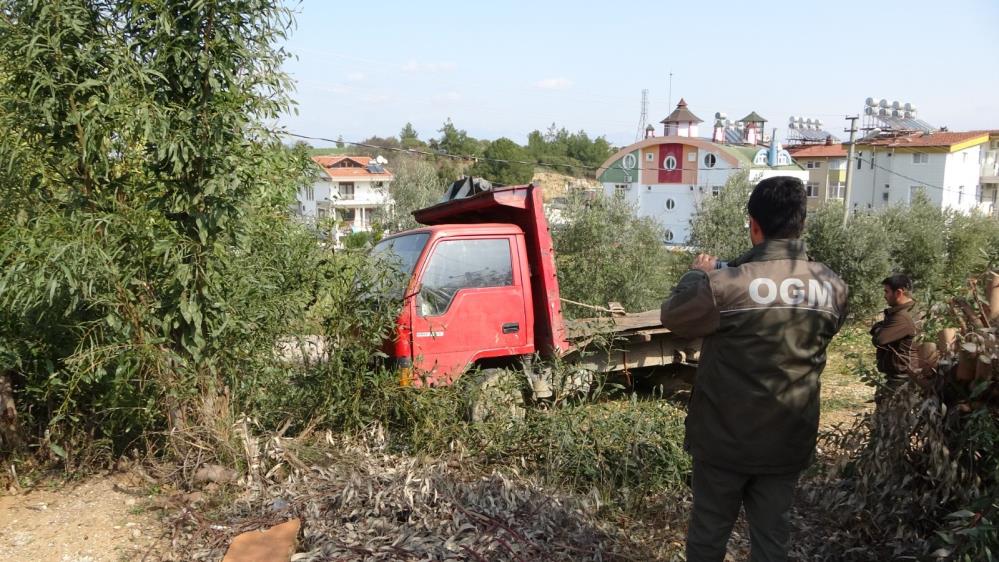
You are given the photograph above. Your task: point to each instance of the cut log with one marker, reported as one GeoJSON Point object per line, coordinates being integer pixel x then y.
{"type": "Point", "coordinates": [967, 362]}
{"type": "Point", "coordinates": [992, 290]}
{"type": "Point", "coordinates": [276, 544]}
{"type": "Point", "coordinates": [947, 340]}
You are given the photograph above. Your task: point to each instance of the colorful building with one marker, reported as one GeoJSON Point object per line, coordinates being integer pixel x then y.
{"type": "Point", "coordinates": [826, 166]}
{"type": "Point", "coordinates": [666, 177]}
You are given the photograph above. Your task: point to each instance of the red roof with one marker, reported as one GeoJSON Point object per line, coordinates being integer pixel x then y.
{"type": "Point", "coordinates": [818, 151]}
{"type": "Point", "coordinates": [357, 167]}
{"type": "Point", "coordinates": [946, 138]}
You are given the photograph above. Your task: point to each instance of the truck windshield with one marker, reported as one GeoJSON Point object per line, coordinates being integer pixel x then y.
{"type": "Point", "coordinates": [401, 252]}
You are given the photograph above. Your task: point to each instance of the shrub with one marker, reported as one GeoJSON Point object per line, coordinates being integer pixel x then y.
{"type": "Point", "coordinates": [605, 253]}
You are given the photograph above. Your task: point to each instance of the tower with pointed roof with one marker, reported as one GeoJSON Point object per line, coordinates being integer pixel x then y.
{"type": "Point", "coordinates": [753, 126]}
{"type": "Point", "coordinates": [681, 123]}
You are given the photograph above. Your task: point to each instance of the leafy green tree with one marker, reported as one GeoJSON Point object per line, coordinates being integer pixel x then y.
{"type": "Point", "coordinates": [409, 138]}
{"type": "Point", "coordinates": [456, 141]}
{"type": "Point", "coordinates": [605, 253]}
{"type": "Point", "coordinates": [137, 133]}
{"type": "Point", "coordinates": [416, 185]}
{"type": "Point", "coordinates": [504, 163]}
{"type": "Point", "coordinates": [718, 226]}
{"type": "Point", "coordinates": [859, 253]}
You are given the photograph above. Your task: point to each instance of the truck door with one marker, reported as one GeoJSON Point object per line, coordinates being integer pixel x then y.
{"type": "Point", "coordinates": [472, 304]}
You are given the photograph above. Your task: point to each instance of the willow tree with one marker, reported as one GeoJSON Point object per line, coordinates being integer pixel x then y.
{"type": "Point", "coordinates": [133, 141]}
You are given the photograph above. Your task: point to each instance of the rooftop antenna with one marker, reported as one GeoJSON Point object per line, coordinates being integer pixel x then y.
{"type": "Point", "coordinates": [669, 94]}
{"type": "Point", "coordinates": [645, 116]}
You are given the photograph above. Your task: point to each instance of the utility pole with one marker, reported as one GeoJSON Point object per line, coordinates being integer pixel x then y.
{"type": "Point", "coordinates": [849, 167]}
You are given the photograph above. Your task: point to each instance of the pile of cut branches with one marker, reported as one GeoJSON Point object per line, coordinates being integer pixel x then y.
{"type": "Point", "coordinates": [919, 477]}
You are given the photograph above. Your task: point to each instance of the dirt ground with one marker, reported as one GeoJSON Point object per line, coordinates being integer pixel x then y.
{"type": "Point", "coordinates": [90, 521]}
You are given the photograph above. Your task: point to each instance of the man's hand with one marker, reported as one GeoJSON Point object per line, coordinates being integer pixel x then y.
{"type": "Point", "coordinates": [704, 262]}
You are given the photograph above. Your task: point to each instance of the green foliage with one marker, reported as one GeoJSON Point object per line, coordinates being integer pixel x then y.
{"type": "Point", "coordinates": [859, 253]}
{"type": "Point", "coordinates": [511, 171]}
{"type": "Point", "coordinates": [568, 151]}
{"type": "Point", "coordinates": [416, 185]}
{"type": "Point", "coordinates": [456, 141]}
{"type": "Point", "coordinates": [718, 226]}
{"type": "Point", "coordinates": [605, 253]}
{"type": "Point", "coordinates": [138, 162]}
{"type": "Point", "coordinates": [938, 249]}
{"type": "Point", "coordinates": [409, 138]}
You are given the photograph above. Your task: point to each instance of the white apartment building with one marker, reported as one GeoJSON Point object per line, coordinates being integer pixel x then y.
{"type": "Point", "coordinates": [350, 190]}
{"type": "Point", "coordinates": [951, 168]}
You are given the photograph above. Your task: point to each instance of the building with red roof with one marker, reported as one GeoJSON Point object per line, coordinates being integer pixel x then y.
{"type": "Point", "coordinates": [349, 189]}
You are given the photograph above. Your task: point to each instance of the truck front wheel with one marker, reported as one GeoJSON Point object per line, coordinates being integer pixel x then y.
{"type": "Point", "coordinates": [496, 395]}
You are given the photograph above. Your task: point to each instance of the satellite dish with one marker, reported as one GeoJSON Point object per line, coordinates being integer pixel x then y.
{"type": "Point", "coordinates": [380, 160]}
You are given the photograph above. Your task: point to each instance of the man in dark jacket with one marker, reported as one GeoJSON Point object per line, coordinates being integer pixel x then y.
{"type": "Point", "coordinates": [766, 321]}
{"type": "Point", "coordinates": [893, 336]}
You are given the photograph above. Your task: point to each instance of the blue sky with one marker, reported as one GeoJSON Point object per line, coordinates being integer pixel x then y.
{"type": "Point", "coordinates": [505, 68]}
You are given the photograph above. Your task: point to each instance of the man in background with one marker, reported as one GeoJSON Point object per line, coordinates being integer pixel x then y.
{"type": "Point", "coordinates": [893, 337]}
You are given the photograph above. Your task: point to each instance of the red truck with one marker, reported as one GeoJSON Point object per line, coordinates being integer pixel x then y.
{"type": "Point", "coordinates": [483, 293]}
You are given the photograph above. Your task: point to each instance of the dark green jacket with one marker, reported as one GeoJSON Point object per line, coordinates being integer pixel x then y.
{"type": "Point", "coordinates": [766, 322]}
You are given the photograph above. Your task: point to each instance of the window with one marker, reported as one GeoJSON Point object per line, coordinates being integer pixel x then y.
{"type": "Point", "coordinates": [960, 195]}
{"type": "Point", "coordinates": [321, 213]}
{"type": "Point", "coordinates": [837, 164]}
{"type": "Point", "coordinates": [378, 184]}
{"type": "Point", "coordinates": [650, 157]}
{"type": "Point", "coordinates": [630, 161]}
{"type": "Point", "coordinates": [620, 189]}
{"type": "Point", "coordinates": [860, 159]}
{"type": "Point", "coordinates": [964, 157]}
{"type": "Point", "coordinates": [885, 196]}
{"type": "Point", "coordinates": [310, 193]}
{"type": "Point", "coordinates": [813, 164]}
{"type": "Point", "coordinates": [994, 145]}
{"type": "Point", "coordinates": [978, 193]}
{"type": "Point", "coordinates": [915, 192]}
{"type": "Point", "coordinates": [670, 204]}
{"type": "Point", "coordinates": [836, 190]}
{"type": "Point", "coordinates": [348, 214]}
{"type": "Point", "coordinates": [463, 264]}
{"type": "Point", "coordinates": [710, 160]}
{"type": "Point", "coordinates": [812, 188]}
{"type": "Point", "coordinates": [668, 236]}
{"type": "Point", "coordinates": [346, 190]}
{"type": "Point", "coordinates": [715, 190]}
{"type": "Point", "coordinates": [691, 157]}
{"type": "Point", "coordinates": [920, 158]}
{"type": "Point", "coordinates": [669, 163]}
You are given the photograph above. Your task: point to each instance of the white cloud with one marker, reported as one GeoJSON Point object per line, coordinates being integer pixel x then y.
{"type": "Point", "coordinates": [428, 67]}
{"type": "Point", "coordinates": [356, 76]}
{"type": "Point", "coordinates": [554, 84]}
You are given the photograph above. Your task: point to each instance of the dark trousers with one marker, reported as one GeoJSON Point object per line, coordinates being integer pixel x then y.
{"type": "Point", "coordinates": [718, 494]}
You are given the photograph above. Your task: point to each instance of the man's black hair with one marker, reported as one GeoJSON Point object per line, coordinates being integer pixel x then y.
{"type": "Point", "coordinates": [898, 281]}
{"type": "Point", "coordinates": [779, 205]}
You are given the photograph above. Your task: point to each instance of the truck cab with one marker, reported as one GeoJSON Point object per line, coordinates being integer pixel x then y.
{"type": "Point", "coordinates": [482, 286]}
